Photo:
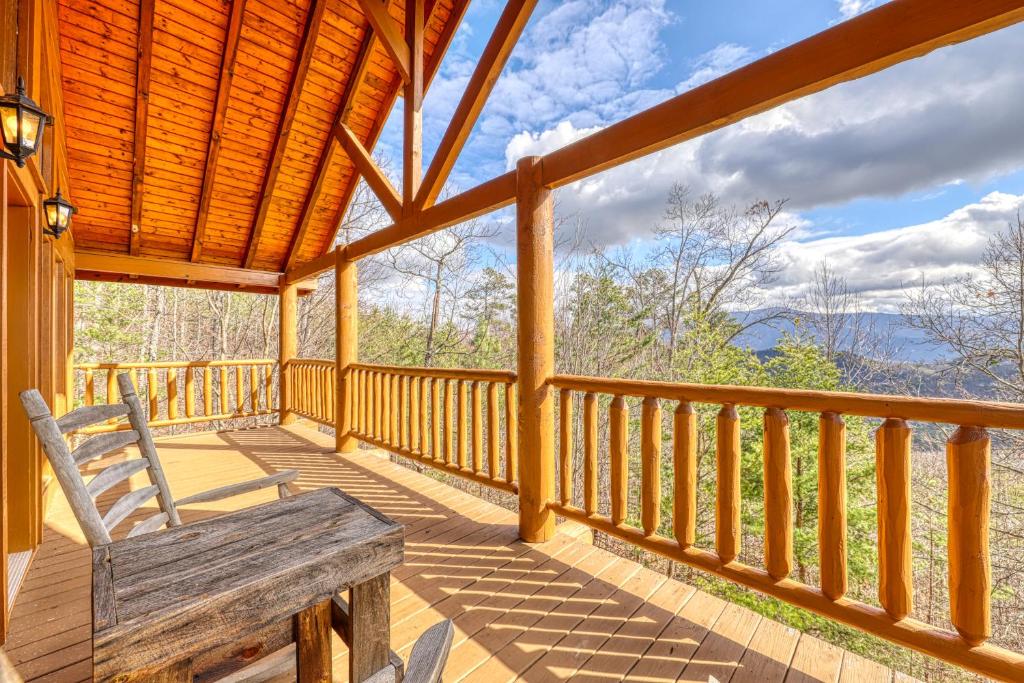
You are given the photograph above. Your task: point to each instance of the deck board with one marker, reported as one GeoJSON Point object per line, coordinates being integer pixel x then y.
{"type": "Point", "coordinates": [561, 610]}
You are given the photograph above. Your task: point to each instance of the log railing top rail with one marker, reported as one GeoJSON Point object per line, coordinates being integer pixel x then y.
{"type": "Point", "coordinates": [950, 411]}
{"type": "Point", "coordinates": [472, 375]}
{"type": "Point", "coordinates": [173, 364]}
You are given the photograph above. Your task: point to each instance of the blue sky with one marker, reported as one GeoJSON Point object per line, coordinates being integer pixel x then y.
{"type": "Point", "coordinates": [876, 171]}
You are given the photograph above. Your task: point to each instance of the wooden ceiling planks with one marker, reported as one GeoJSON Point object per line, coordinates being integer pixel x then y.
{"type": "Point", "coordinates": [236, 122]}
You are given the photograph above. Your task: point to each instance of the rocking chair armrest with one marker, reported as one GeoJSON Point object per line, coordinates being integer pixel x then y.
{"type": "Point", "coordinates": [223, 492]}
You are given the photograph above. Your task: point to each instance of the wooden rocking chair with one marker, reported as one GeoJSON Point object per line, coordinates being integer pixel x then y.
{"type": "Point", "coordinates": [431, 650]}
{"type": "Point", "coordinates": [82, 496]}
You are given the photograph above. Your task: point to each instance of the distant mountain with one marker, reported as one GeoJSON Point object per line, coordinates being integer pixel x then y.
{"type": "Point", "coordinates": [907, 344]}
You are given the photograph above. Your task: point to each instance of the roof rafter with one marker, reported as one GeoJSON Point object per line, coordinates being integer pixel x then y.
{"type": "Point", "coordinates": [386, 29]}
{"type": "Point", "coordinates": [227, 72]}
{"type": "Point", "coordinates": [314, 20]}
{"type": "Point", "coordinates": [368, 168]}
{"type": "Point", "coordinates": [432, 67]}
{"type": "Point", "coordinates": [330, 149]}
{"type": "Point", "coordinates": [147, 9]}
{"type": "Point", "coordinates": [504, 38]}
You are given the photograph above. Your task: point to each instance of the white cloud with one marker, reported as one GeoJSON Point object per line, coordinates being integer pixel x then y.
{"type": "Point", "coordinates": [880, 265]}
{"type": "Point", "coordinates": [851, 8]}
{"type": "Point", "coordinates": [952, 116]}
{"type": "Point", "coordinates": [716, 62]}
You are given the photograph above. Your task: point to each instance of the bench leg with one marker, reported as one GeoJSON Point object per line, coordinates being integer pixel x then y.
{"type": "Point", "coordinates": [370, 628]}
{"type": "Point", "coordinates": [313, 644]}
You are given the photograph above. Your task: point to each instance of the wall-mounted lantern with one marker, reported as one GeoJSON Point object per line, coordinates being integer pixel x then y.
{"type": "Point", "coordinates": [22, 123]}
{"type": "Point", "coordinates": [58, 212]}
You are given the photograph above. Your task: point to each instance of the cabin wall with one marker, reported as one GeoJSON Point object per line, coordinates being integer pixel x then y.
{"type": "Point", "coordinates": [36, 286]}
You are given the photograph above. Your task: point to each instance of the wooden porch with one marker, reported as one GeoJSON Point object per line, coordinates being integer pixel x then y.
{"type": "Point", "coordinates": [559, 610]}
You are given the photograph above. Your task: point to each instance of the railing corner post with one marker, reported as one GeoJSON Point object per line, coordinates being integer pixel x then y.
{"type": "Point", "coordinates": [346, 349]}
{"type": "Point", "coordinates": [536, 350]}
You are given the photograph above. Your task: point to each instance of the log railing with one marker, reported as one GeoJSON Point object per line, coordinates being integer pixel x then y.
{"type": "Point", "coordinates": [462, 422]}
{"type": "Point", "coordinates": [968, 462]}
{"type": "Point", "coordinates": [313, 389]}
{"type": "Point", "coordinates": [183, 392]}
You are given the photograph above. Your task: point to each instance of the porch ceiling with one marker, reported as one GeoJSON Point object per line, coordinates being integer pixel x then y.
{"type": "Point", "coordinates": [207, 124]}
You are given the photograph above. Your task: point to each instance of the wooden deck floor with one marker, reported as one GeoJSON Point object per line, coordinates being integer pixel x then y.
{"type": "Point", "coordinates": [562, 610]}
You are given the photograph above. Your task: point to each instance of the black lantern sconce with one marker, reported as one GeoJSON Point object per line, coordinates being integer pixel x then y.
{"type": "Point", "coordinates": [58, 212]}
{"type": "Point", "coordinates": [22, 123]}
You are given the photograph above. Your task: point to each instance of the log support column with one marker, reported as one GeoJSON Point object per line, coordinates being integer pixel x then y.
{"type": "Point", "coordinates": [288, 347]}
{"type": "Point", "coordinates": [536, 351]}
{"type": "Point", "coordinates": [346, 350]}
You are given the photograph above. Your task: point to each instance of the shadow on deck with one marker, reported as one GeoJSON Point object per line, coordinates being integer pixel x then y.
{"type": "Point", "coordinates": [550, 612]}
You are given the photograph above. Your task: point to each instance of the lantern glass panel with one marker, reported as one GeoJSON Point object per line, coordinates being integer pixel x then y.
{"type": "Point", "coordinates": [9, 120]}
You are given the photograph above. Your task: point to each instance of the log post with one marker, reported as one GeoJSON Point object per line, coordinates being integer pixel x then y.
{"type": "Point", "coordinates": [346, 299]}
{"type": "Point", "coordinates": [288, 346]}
{"type": "Point", "coordinates": [536, 350]}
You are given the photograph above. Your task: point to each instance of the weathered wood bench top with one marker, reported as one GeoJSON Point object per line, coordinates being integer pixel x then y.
{"type": "Point", "coordinates": [168, 595]}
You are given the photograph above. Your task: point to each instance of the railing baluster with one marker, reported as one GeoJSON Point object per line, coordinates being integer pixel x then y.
{"type": "Point", "coordinates": [415, 414]}
{"type": "Point", "coordinates": [478, 428]}
{"type": "Point", "coordinates": [493, 459]}
{"type": "Point", "coordinates": [461, 424]}
{"type": "Point", "coordinates": [239, 391]}
{"type": "Point", "coordinates": [511, 434]}
{"type": "Point", "coordinates": [403, 423]}
{"type": "Point", "coordinates": [172, 393]}
{"type": "Point", "coordinates": [565, 445]}
{"type": "Point", "coordinates": [892, 453]}
{"type": "Point", "coordinates": [778, 495]}
{"type": "Point", "coordinates": [436, 445]}
{"type": "Point", "coordinates": [89, 388]}
{"type": "Point", "coordinates": [254, 390]}
{"type": "Point", "coordinates": [223, 376]}
{"type": "Point", "coordinates": [112, 386]}
{"type": "Point", "coordinates": [684, 462]}
{"type": "Point", "coordinates": [378, 406]}
{"type": "Point", "coordinates": [449, 418]}
{"type": "Point", "coordinates": [968, 459]}
{"type": "Point", "coordinates": [395, 412]}
{"type": "Point", "coordinates": [207, 391]}
{"type": "Point", "coordinates": [190, 392]}
{"type": "Point", "coordinates": [832, 504]}
{"type": "Point", "coordinates": [618, 420]}
{"type": "Point", "coordinates": [268, 386]}
{"type": "Point", "coordinates": [386, 408]}
{"type": "Point", "coordinates": [151, 380]}
{"type": "Point", "coordinates": [650, 461]}
{"type": "Point", "coordinates": [727, 501]}
{"type": "Point", "coordinates": [423, 416]}
{"type": "Point", "coordinates": [590, 453]}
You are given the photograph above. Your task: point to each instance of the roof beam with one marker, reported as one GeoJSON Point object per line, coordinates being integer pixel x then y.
{"type": "Point", "coordinates": [412, 146]}
{"type": "Point", "coordinates": [504, 38]}
{"type": "Point", "coordinates": [385, 28]}
{"type": "Point", "coordinates": [375, 178]}
{"type": "Point", "coordinates": [143, 71]}
{"type": "Point", "coordinates": [227, 72]}
{"type": "Point", "coordinates": [95, 265]}
{"type": "Point", "coordinates": [892, 33]}
{"type": "Point", "coordinates": [314, 19]}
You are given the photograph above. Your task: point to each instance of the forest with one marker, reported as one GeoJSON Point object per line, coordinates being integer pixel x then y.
{"type": "Point", "coordinates": [670, 309]}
